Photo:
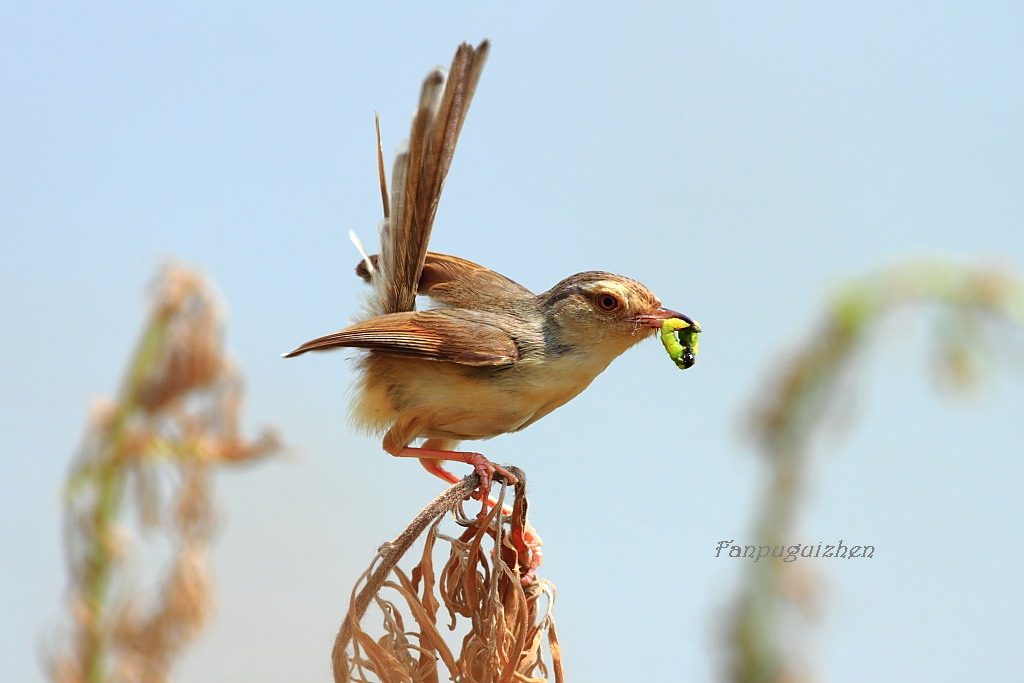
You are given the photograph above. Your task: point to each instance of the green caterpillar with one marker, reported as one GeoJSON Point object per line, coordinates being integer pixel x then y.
{"type": "Point", "coordinates": [680, 340]}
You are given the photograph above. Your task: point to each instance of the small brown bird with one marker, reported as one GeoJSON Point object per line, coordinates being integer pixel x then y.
{"type": "Point", "coordinates": [490, 357]}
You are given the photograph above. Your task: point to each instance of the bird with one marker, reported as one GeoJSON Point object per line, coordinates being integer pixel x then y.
{"type": "Point", "coordinates": [487, 356]}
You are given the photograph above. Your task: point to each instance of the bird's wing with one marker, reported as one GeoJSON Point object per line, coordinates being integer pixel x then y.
{"type": "Point", "coordinates": [451, 280]}
{"type": "Point", "coordinates": [451, 335]}
{"type": "Point", "coordinates": [418, 177]}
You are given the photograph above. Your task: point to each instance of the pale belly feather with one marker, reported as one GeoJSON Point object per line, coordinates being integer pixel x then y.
{"type": "Point", "coordinates": [445, 400]}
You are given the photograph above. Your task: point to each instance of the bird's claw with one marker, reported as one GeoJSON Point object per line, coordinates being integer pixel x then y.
{"type": "Point", "coordinates": [485, 469]}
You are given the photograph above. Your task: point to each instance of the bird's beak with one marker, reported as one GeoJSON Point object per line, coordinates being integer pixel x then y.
{"type": "Point", "coordinates": [659, 316]}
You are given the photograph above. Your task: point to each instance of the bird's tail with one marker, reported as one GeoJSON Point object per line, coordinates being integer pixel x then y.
{"type": "Point", "coordinates": [417, 179]}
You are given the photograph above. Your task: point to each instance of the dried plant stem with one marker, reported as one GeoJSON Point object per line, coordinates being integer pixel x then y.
{"type": "Point", "coordinates": [389, 556]}
{"type": "Point", "coordinates": [109, 477]}
{"type": "Point", "coordinates": [177, 411]}
{"type": "Point", "coordinates": [792, 410]}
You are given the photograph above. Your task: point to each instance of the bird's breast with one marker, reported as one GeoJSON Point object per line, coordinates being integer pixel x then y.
{"type": "Point", "coordinates": [447, 400]}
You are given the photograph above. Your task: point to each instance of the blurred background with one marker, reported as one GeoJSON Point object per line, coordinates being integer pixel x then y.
{"type": "Point", "coordinates": [742, 161]}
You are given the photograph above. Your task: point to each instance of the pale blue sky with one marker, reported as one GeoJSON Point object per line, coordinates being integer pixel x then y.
{"type": "Point", "coordinates": [740, 160]}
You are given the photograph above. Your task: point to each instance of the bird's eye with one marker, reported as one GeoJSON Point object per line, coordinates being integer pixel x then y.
{"type": "Point", "coordinates": [607, 302]}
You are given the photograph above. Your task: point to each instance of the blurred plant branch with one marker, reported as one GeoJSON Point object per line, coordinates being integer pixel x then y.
{"type": "Point", "coordinates": [506, 627]}
{"type": "Point", "coordinates": [176, 418]}
{"type": "Point", "coordinates": [773, 608]}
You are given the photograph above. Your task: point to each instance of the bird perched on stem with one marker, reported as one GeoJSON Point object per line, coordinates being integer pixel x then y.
{"type": "Point", "coordinates": [491, 357]}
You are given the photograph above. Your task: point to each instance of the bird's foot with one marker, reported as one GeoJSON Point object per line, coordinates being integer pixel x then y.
{"type": "Point", "coordinates": [486, 470]}
{"type": "Point", "coordinates": [432, 459]}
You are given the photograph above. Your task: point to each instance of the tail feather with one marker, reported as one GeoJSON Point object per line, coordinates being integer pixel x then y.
{"type": "Point", "coordinates": [417, 179]}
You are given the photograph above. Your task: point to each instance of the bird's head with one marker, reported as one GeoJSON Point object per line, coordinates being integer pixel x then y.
{"type": "Point", "coordinates": [601, 313]}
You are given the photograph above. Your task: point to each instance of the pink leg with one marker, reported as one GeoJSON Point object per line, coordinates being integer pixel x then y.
{"type": "Point", "coordinates": [435, 468]}
{"type": "Point", "coordinates": [483, 467]}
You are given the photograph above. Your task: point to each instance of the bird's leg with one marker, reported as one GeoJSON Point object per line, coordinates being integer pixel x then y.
{"type": "Point", "coordinates": [396, 442]}
{"type": "Point", "coordinates": [481, 465]}
{"type": "Point", "coordinates": [438, 470]}
{"type": "Point", "coordinates": [435, 468]}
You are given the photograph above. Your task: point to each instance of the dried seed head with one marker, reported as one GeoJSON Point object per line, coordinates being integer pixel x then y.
{"type": "Point", "coordinates": [162, 447]}
{"type": "Point", "coordinates": [188, 356]}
